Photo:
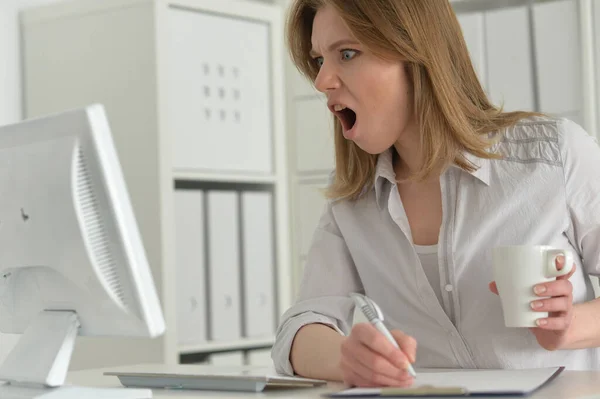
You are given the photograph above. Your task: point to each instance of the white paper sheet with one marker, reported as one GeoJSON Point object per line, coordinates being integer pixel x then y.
{"type": "Point", "coordinates": [474, 381]}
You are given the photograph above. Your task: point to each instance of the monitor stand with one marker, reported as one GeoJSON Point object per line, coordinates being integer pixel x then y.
{"type": "Point", "coordinates": [37, 366]}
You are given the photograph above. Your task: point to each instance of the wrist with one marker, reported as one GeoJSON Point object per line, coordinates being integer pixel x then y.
{"type": "Point", "coordinates": [584, 331]}
{"type": "Point", "coordinates": [572, 337]}
{"type": "Point", "coordinates": [315, 352]}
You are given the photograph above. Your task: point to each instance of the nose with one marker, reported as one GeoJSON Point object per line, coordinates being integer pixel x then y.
{"type": "Point", "coordinates": [327, 79]}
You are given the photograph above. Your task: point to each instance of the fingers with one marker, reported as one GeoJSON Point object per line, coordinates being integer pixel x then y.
{"type": "Point", "coordinates": [554, 288]}
{"type": "Point", "coordinates": [368, 363]}
{"type": "Point", "coordinates": [369, 359]}
{"type": "Point", "coordinates": [407, 344]}
{"type": "Point", "coordinates": [352, 378]}
{"type": "Point", "coordinates": [493, 287]}
{"type": "Point", "coordinates": [561, 322]}
{"type": "Point", "coordinates": [557, 304]}
{"type": "Point", "coordinates": [378, 343]}
{"type": "Point", "coordinates": [560, 263]}
{"type": "Point", "coordinates": [362, 375]}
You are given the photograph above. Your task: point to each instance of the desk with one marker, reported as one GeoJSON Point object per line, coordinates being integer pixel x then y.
{"type": "Point", "coordinates": [569, 385]}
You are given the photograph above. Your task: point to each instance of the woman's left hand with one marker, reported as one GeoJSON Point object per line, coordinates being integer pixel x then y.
{"type": "Point", "coordinates": [552, 331]}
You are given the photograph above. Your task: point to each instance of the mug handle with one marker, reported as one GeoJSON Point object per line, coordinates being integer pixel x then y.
{"type": "Point", "coordinates": [551, 255]}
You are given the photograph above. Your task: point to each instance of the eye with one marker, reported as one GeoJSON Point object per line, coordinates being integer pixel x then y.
{"type": "Point", "coordinates": [318, 61]}
{"type": "Point", "coordinates": [348, 54]}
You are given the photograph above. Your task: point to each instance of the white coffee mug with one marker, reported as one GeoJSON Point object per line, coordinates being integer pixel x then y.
{"type": "Point", "coordinates": [517, 269]}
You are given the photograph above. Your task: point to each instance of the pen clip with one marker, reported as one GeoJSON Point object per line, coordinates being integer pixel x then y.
{"type": "Point", "coordinates": [375, 307]}
{"type": "Point", "coordinates": [362, 301]}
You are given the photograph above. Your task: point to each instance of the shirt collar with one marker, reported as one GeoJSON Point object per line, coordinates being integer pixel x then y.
{"type": "Point", "coordinates": [384, 171]}
{"type": "Point", "coordinates": [482, 165]}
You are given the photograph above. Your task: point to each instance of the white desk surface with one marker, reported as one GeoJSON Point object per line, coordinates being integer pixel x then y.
{"type": "Point", "coordinates": [568, 385]}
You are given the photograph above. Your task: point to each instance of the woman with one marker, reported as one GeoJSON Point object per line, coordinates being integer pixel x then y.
{"type": "Point", "coordinates": [429, 178]}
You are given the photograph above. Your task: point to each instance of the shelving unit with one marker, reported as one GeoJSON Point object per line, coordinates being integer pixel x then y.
{"type": "Point", "coordinates": [551, 50]}
{"type": "Point", "coordinates": [194, 92]}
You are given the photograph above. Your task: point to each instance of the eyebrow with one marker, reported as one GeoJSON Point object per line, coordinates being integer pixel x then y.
{"type": "Point", "coordinates": [332, 46]}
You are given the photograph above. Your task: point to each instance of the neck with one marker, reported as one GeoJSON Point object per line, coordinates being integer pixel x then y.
{"type": "Point", "coordinates": [410, 155]}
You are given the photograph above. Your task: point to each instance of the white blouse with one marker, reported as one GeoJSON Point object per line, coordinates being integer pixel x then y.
{"type": "Point", "coordinates": [545, 190]}
{"type": "Point", "coordinates": [428, 256]}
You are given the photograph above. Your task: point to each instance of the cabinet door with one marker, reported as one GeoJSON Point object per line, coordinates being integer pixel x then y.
{"type": "Point", "coordinates": [224, 266]}
{"type": "Point", "coordinates": [558, 56]}
{"type": "Point", "coordinates": [472, 25]}
{"type": "Point", "coordinates": [311, 203]}
{"type": "Point", "coordinates": [191, 268]}
{"type": "Point", "coordinates": [219, 109]}
{"type": "Point", "coordinates": [259, 264]}
{"type": "Point", "coordinates": [509, 61]}
{"type": "Point", "coordinates": [314, 135]}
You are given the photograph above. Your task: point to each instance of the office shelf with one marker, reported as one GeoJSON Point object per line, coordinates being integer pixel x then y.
{"type": "Point", "coordinates": [185, 107]}
{"type": "Point", "coordinates": [243, 344]}
{"type": "Point", "coordinates": [191, 175]}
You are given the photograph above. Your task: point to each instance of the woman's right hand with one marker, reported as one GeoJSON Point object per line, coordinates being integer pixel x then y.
{"type": "Point", "coordinates": [368, 359]}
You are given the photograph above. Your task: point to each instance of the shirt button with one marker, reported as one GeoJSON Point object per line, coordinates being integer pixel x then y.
{"type": "Point", "coordinates": [448, 287]}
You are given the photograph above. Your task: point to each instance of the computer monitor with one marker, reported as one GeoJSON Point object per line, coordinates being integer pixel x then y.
{"type": "Point", "coordinates": [71, 257]}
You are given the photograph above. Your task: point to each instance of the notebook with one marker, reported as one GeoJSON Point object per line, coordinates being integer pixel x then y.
{"type": "Point", "coordinates": [201, 377]}
{"type": "Point", "coordinates": [464, 383]}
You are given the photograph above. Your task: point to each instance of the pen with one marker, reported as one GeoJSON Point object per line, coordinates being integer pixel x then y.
{"type": "Point", "coordinates": [373, 313]}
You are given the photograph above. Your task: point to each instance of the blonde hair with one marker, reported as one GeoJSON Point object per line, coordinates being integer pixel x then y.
{"type": "Point", "coordinates": [451, 108]}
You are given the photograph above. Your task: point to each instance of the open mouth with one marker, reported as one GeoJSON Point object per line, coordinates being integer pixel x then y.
{"type": "Point", "coordinates": [347, 118]}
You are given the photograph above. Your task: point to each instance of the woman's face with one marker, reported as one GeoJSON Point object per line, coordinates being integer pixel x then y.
{"type": "Point", "coordinates": [370, 96]}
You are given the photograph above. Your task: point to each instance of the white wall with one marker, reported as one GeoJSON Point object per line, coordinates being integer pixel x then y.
{"type": "Point", "coordinates": [10, 77]}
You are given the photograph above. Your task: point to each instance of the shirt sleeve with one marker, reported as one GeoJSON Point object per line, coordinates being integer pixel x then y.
{"type": "Point", "coordinates": [580, 154]}
{"type": "Point", "coordinates": [329, 276]}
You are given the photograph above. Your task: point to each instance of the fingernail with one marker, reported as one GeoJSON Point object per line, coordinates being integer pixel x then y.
{"type": "Point", "coordinates": [536, 304]}
{"type": "Point", "coordinates": [560, 261]}
{"type": "Point", "coordinates": [402, 362]}
{"type": "Point", "coordinates": [541, 322]}
{"type": "Point", "coordinates": [539, 289]}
